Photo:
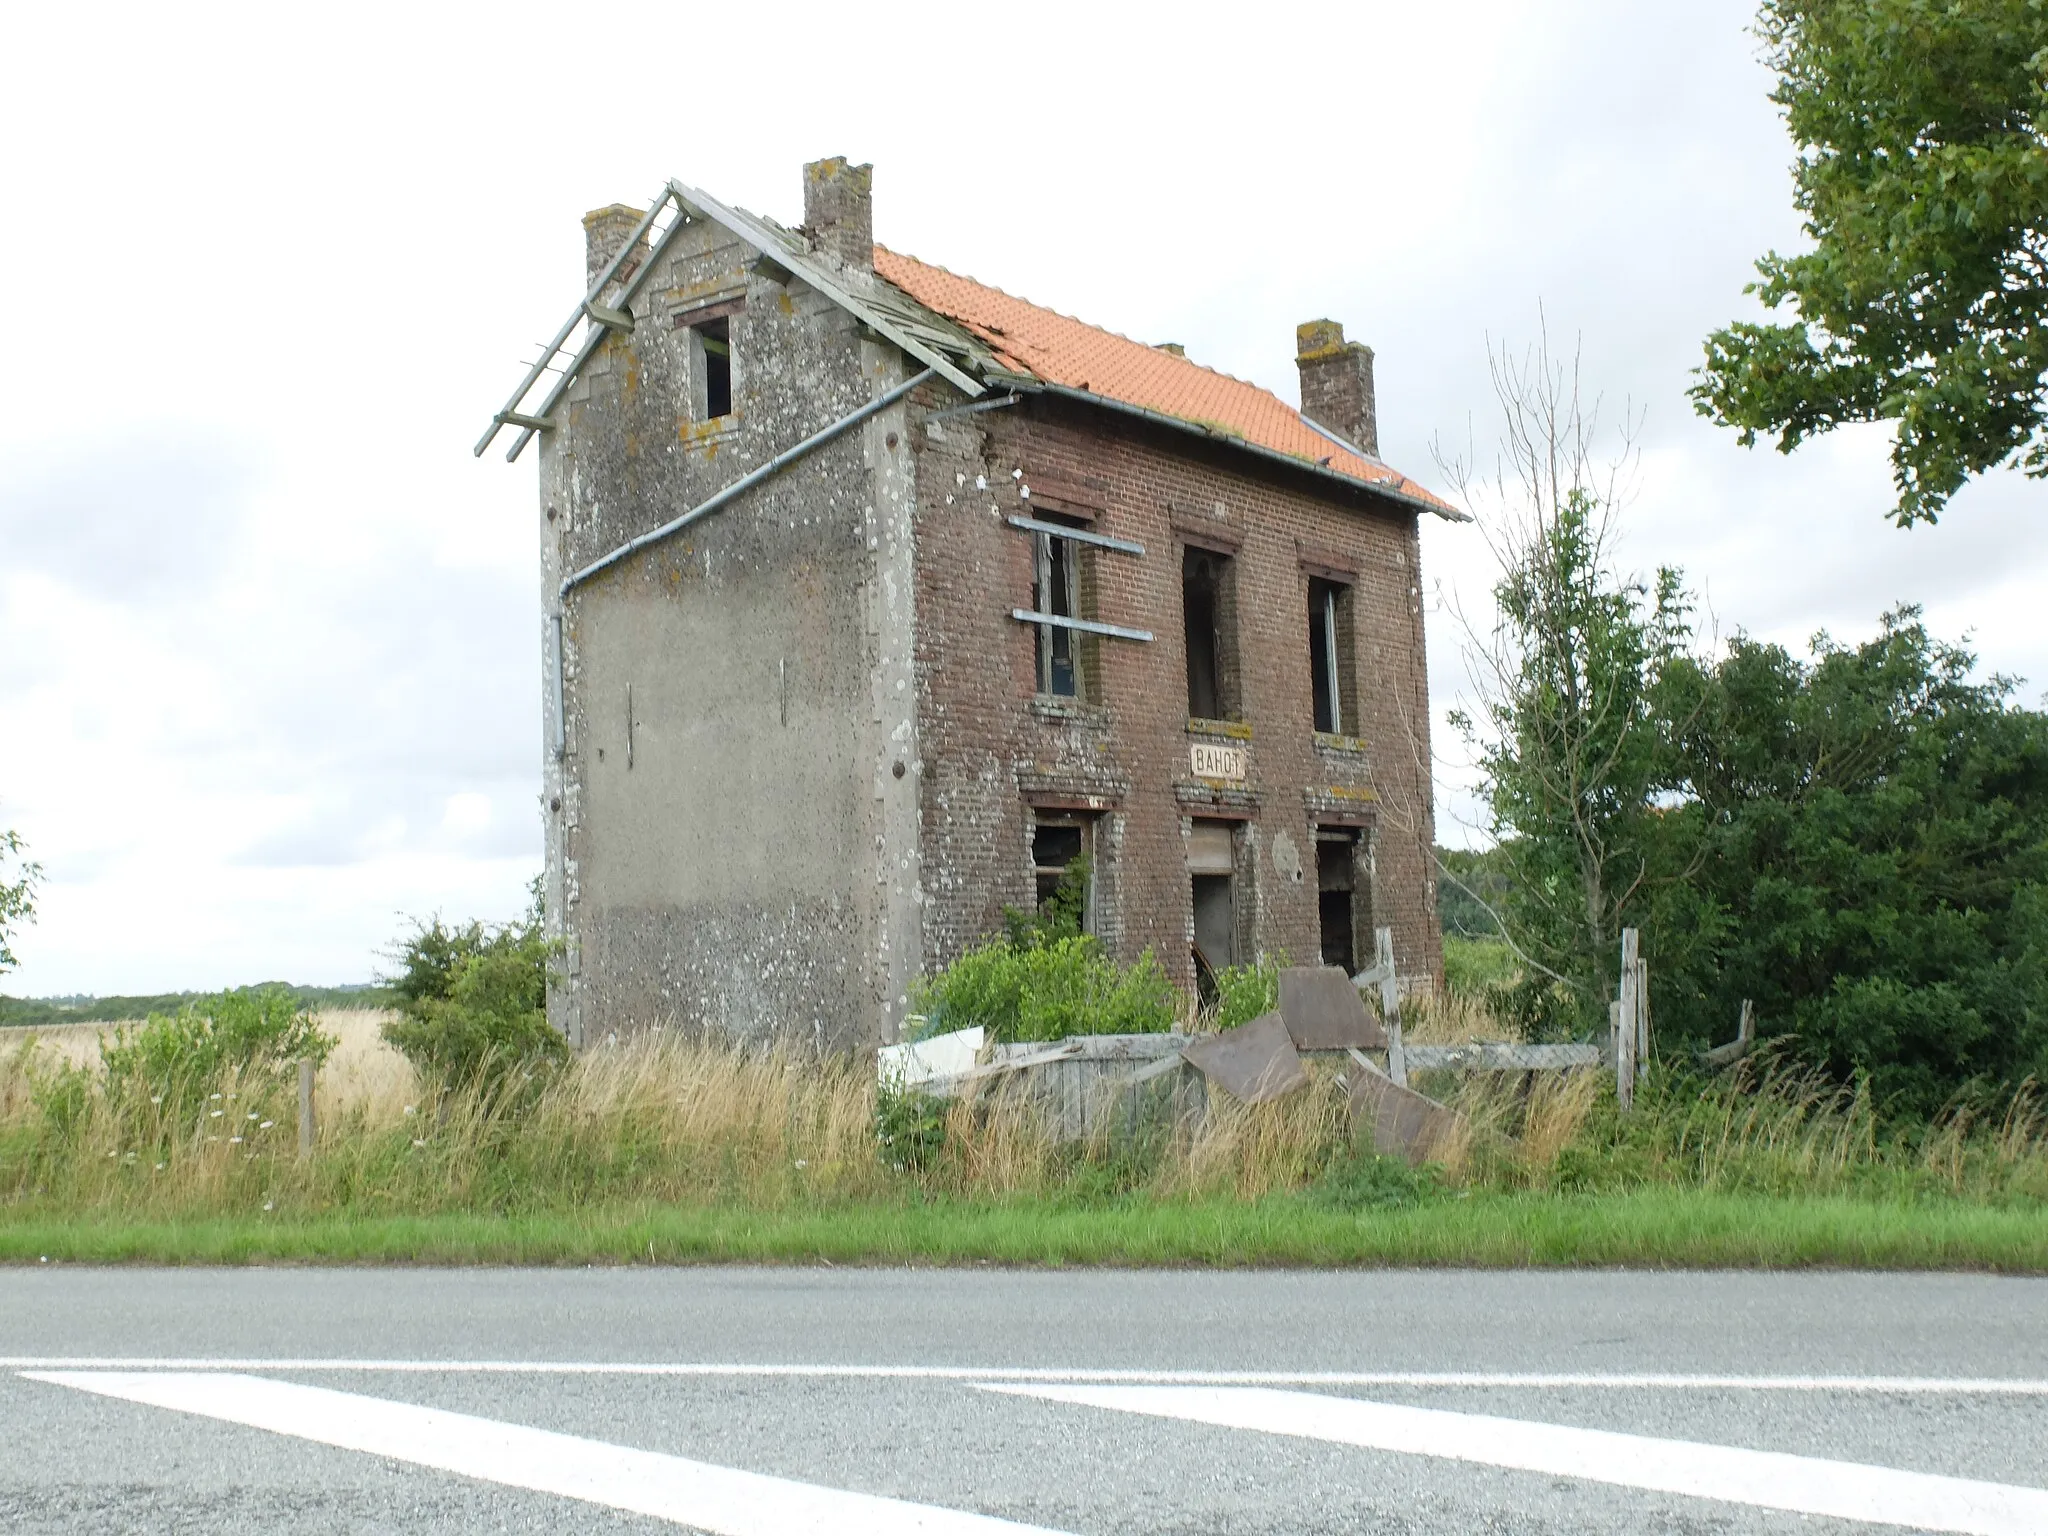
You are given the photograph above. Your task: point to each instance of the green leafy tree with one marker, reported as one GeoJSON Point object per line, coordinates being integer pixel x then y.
{"type": "Point", "coordinates": [1923, 177]}
{"type": "Point", "coordinates": [17, 896]}
{"type": "Point", "coordinates": [1871, 831]}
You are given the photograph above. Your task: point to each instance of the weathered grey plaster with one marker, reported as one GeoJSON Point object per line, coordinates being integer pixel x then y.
{"type": "Point", "coordinates": [734, 850]}
{"type": "Point", "coordinates": [897, 765]}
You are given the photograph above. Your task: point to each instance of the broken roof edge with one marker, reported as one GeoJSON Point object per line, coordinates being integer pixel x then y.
{"type": "Point", "coordinates": [1394, 493]}
{"type": "Point", "coordinates": [768, 238]}
{"type": "Point", "coordinates": [1018, 298]}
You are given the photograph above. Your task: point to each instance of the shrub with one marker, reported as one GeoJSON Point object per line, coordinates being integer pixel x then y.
{"type": "Point", "coordinates": [473, 1006]}
{"type": "Point", "coordinates": [910, 1129]}
{"type": "Point", "coordinates": [1058, 917]}
{"type": "Point", "coordinates": [62, 1094]}
{"type": "Point", "coordinates": [1358, 1179]}
{"type": "Point", "coordinates": [256, 1035]}
{"type": "Point", "coordinates": [1243, 992]}
{"type": "Point", "coordinates": [1048, 991]}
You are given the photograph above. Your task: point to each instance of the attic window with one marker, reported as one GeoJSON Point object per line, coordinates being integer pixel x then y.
{"type": "Point", "coordinates": [714, 349]}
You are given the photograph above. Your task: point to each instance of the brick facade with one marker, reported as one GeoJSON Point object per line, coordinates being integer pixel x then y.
{"type": "Point", "coordinates": [997, 753]}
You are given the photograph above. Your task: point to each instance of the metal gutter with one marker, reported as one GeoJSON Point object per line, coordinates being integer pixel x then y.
{"type": "Point", "coordinates": [746, 482]}
{"type": "Point", "coordinates": [1342, 442]}
{"type": "Point", "coordinates": [1196, 429]}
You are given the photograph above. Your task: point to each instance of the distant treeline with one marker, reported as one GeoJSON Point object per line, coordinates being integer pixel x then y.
{"type": "Point", "coordinates": [1472, 882]}
{"type": "Point", "coordinates": [28, 1012]}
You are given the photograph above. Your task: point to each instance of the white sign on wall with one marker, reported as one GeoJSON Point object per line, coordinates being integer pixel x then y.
{"type": "Point", "coordinates": [1212, 760]}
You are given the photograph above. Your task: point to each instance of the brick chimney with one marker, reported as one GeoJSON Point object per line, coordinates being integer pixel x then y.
{"type": "Point", "coordinates": [604, 231]}
{"type": "Point", "coordinates": [839, 211]}
{"type": "Point", "coordinates": [1336, 383]}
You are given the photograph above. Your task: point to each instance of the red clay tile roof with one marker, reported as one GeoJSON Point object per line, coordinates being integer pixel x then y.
{"type": "Point", "coordinates": [1057, 349]}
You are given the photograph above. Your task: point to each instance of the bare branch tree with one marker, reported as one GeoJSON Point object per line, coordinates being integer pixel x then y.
{"type": "Point", "coordinates": [1565, 665]}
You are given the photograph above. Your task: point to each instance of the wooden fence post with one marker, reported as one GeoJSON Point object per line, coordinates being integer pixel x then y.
{"type": "Point", "coordinates": [1628, 1024]}
{"type": "Point", "coordinates": [305, 1109]}
{"type": "Point", "coordinates": [1642, 1018]}
{"type": "Point", "coordinates": [1390, 1004]}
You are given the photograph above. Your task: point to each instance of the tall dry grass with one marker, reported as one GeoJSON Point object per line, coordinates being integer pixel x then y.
{"type": "Point", "coordinates": [667, 1119]}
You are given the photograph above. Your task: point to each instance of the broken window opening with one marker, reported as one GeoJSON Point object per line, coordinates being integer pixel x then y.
{"type": "Point", "coordinates": [1343, 904]}
{"type": "Point", "coordinates": [1329, 628]}
{"type": "Point", "coordinates": [1056, 589]}
{"type": "Point", "coordinates": [714, 346]}
{"type": "Point", "coordinates": [1212, 883]}
{"type": "Point", "coordinates": [1061, 872]}
{"type": "Point", "coordinates": [1209, 609]}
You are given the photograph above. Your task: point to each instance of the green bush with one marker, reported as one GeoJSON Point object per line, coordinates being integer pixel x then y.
{"type": "Point", "coordinates": [910, 1128]}
{"type": "Point", "coordinates": [473, 1006]}
{"type": "Point", "coordinates": [1059, 916]}
{"type": "Point", "coordinates": [1358, 1179]}
{"type": "Point", "coordinates": [1048, 991]}
{"type": "Point", "coordinates": [1243, 992]}
{"type": "Point", "coordinates": [62, 1094]}
{"type": "Point", "coordinates": [256, 1035]}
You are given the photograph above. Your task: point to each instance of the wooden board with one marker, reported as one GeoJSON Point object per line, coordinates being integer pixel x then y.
{"type": "Point", "coordinates": [1401, 1122]}
{"type": "Point", "coordinates": [1501, 1056]}
{"type": "Point", "coordinates": [1255, 1062]}
{"type": "Point", "coordinates": [1100, 1086]}
{"type": "Point", "coordinates": [1325, 1013]}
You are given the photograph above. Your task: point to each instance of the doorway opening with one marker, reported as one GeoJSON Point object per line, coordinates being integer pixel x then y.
{"type": "Point", "coordinates": [1340, 884]}
{"type": "Point", "coordinates": [1212, 879]}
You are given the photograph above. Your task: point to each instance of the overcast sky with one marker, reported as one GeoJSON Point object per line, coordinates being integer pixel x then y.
{"type": "Point", "coordinates": [269, 637]}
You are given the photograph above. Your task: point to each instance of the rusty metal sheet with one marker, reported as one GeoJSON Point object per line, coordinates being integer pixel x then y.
{"type": "Point", "coordinates": [1403, 1123]}
{"type": "Point", "coordinates": [1325, 1013]}
{"type": "Point", "coordinates": [1254, 1062]}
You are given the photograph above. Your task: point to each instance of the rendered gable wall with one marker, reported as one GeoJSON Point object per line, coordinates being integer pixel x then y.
{"type": "Point", "coordinates": [728, 846]}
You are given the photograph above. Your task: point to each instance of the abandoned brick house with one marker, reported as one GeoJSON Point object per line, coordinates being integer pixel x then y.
{"type": "Point", "coordinates": [875, 597]}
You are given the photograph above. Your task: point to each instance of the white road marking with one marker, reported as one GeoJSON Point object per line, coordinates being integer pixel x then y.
{"type": "Point", "coordinates": [1962, 1386]}
{"type": "Point", "coordinates": [1769, 1479]}
{"type": "Point", "coordinates": [722, 1500]}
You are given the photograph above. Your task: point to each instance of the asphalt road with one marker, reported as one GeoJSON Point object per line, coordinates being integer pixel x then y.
{"type": "Point", "coordinates": [1085, 1402]}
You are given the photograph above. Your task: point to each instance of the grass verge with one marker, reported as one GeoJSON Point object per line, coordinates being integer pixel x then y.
{"type": "Point", "coordinates": [1649, 1228]}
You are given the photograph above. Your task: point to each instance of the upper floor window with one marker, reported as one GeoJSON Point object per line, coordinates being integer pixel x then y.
{"type": "Point", "coordinates": [1063, 601]}
{"type": "Point", "coordinates": [712, 349]}
{"type": "Point", "coordinates": [1330, 649]}
{"type": "Point", "coordinates": [1209, 612]}
{"type": "Point", "coordinates": [1058, 590]}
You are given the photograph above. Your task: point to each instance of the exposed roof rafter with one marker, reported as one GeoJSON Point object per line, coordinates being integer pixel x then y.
{"type": "Point", "coordinates": [919, 340]}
